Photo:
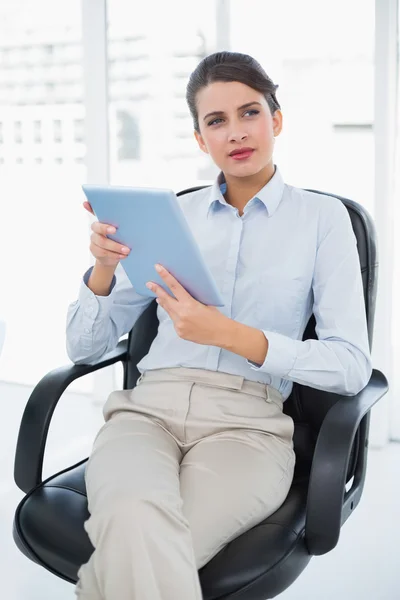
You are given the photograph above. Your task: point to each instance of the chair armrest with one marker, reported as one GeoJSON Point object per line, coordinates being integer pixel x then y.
{"type": "Point", "coordinates": [328, 503]}
{"type": "Point", "coordinates": [39, 410]}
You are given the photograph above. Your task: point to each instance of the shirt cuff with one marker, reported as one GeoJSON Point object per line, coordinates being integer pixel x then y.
{"type": "Point", "coordinates": [281, 355]}
{"type": "Point", "coordinates": [94, 307]}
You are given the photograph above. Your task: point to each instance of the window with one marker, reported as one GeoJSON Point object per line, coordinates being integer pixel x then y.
{"type": "Point", "coordinates": [49, 50]}
{"type": "Point", "coordinates": [57, 130]}
{"type": "Point", "coordinates": [149, 65]}
{"type": "Point", "coordinates": [37, 132]}
{"type": "Point", "coordinates": [78, 130]}
{"type": "Point", "coordinates": [30, 166]}
{"type": "Point", "coordinates": [326, 88]}
{"type": "Point", "coordinates": [128, 136]}
{"type": "Point", "coordinates": [18, 132]}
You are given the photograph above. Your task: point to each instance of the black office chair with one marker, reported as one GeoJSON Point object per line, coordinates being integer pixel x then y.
{"type": "Point", "coordinates": [331, 438]}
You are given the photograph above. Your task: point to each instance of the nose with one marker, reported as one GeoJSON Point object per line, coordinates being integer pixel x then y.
{"type": "Point", "coordinates": [237, 136]}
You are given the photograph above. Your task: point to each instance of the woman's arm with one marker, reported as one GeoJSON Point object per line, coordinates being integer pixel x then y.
{"type": "Point", "coordinates": [96, 322]}
{"type": "Point", "coordinates": [100, 279]}
{"type": "Point", "coordinates": [339, 361]}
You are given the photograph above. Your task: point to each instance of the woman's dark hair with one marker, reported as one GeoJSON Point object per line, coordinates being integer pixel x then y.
{"type": "Point", "coordinates": [229, 66]}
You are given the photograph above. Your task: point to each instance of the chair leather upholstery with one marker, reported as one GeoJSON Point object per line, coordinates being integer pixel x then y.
{"type": "Point", "coordinates": [49, 523]}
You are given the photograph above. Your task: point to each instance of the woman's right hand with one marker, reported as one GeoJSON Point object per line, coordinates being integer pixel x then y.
{"type": "Point", "coordinates": [106, 252]}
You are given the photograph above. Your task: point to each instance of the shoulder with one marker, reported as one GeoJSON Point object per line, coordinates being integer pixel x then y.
{"type": "Point", "coordinates": [199, 194]}
{"type": "Point", "coordinates": [328, 209]}
{"type": "Point", "coordinates": [328, 214]}
{"type": "Point", "coordinates": [318, 201]}
{"type": "Point", "coordinates": [191, 203]}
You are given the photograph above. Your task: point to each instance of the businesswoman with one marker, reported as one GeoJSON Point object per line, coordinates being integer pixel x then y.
{"type": "Point", "coordinates": [200, 450]}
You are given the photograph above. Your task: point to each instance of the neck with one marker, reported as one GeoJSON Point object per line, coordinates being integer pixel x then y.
{"type": "Point", "coordinates": [239, 190]}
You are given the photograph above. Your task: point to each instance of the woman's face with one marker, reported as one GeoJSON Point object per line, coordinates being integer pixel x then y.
{"type": "Point", "coordinates": [233, 117]}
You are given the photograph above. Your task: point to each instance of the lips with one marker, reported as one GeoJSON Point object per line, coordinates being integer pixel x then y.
{"type": "Point", "coordinates": [241, 153]}
{"type": "Point", "coordinates": [240, 150]}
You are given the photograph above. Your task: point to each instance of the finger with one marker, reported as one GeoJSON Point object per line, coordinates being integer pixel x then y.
{"type": "Point", "coordinates": [164, 299]}
{"type": "Point", "coordinates": [158, 289]}
{"type": "Point", "coordinates": [101, 252]}
{"type": "Point", "coordinates": [109, 245]}
{"type": "Point", "coordinates": [88, 207]}
{"type": "Point", "coordinates": [102, 228]}
{"type": "Point", "coordinates": [173, 284]}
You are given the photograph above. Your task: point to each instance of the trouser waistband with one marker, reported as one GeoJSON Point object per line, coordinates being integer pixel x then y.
{"type": "Point", "coordinates": [212, 378]}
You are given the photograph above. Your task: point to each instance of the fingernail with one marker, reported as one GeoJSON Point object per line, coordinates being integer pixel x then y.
{"type": "Point", "coordinates": [124, 250]}
{"type": "Point", "coordinates": [158, 268]}
{"type": "Point", "coordinates": [111, 230]}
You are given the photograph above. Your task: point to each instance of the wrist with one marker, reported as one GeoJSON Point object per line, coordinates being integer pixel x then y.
{"type": "Point", "coordinates": [100, 279]}
{"type": "Point", "coordinates": [227, 333]}
{"type": "Point", "coordinates": [244, 340]}
{"type": "Point", "coordinates": [100, 268]}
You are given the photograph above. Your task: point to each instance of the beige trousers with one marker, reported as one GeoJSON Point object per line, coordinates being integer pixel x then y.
{"type": "Point", "coordinates": [186, 461]}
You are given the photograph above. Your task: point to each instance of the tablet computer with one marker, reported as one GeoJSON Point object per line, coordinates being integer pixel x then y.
{"type": "Point", "coordinates": [151, 223]}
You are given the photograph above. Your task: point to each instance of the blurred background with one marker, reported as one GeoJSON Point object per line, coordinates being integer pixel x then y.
{"type": "Point", "coordinates": [93, 91]}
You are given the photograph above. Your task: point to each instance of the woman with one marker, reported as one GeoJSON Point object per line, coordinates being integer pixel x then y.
{"type": "Point", "coordinates": [201, 451]}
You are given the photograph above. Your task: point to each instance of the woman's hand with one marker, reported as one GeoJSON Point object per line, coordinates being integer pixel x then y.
{"type": "Point", "coordinates": [106, 252]}
{"type": "Point", "coordinates": [193, 321]}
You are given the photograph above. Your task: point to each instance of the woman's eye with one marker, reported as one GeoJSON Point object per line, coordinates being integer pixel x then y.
{"type": "Point", "coordinates": [214, 121]}
{"type": "Point", "coordinates": [252, 111]}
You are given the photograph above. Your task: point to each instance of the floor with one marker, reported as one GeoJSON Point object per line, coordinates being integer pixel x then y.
{"type": "Point", "coordinates": [364, 566]}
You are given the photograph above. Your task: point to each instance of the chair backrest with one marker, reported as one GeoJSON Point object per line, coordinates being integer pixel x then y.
{"type": "Point", "coordinates": [306, 405]}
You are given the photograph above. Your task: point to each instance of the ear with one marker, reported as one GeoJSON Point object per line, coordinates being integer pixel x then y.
{"type": "Point", "coordinates": [200, 141]}
{"type": "Point", "coordinates": [277, 122]}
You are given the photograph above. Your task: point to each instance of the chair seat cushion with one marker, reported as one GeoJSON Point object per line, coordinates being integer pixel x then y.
{"type": "Point", "coordinates": [48, 529]}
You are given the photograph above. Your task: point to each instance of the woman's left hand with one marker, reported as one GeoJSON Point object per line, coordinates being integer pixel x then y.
{"type": "Point", "coordinates": [193, 321]}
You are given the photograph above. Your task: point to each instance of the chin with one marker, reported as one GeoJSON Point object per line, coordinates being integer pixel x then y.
{"type": "Point", "coordinates": [244, 170]}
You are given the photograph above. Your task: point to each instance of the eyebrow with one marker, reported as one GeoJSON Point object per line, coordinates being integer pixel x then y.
{"type": "Point", "coordinates": [221, 112]}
